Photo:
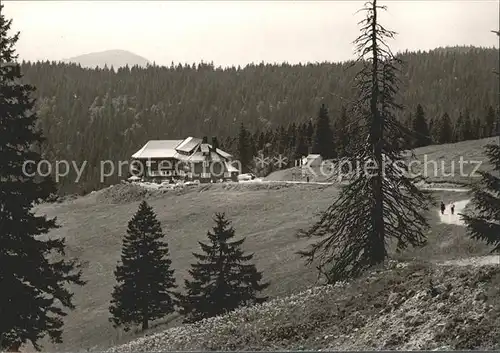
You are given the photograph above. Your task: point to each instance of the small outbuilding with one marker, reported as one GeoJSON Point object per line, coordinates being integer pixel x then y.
{"type": "Point", "coordinates": [312, 160]}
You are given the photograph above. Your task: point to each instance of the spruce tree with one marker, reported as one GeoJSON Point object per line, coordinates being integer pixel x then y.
{"type": "Point", "coordinates": [477, 129]}
{"type": "Point", "coordinates": [323, 135]}
{"type": "Point", "coordinates": [484, 222]}
{"type": "Point", "coordinates": [458, 129]}
{"type": "Point", "coordinates": [310, 134]}
{"type": "Point", "coordinates": [408, 124]}
{"type": "Point", "coordinates": [244, 148]}
{"type": "Point", "coordinates": [222, 279]}
{"type": "Point", "coordinates": [145, 278]}
{"type": "Point", "coordinates": [342, 133]}
{"type": "Point", "coordinates": [467, 128]}
{"type": "Point", "coordinates": [261, 141]}
{"type": "Point", "coordinates": [292, 138]}
{"type": "Point", "coordinates": [33, 272]}
{"type": "Point", "coordinates": [382, 203]}
{"type": "Point", "coordinates": [444, 129]}
{"type": "Point", "coordinates": [282, 139]}
{"type": "Point", "coordinates": [432, 131]}
{"type": "Point", "coordinates": [301, 147]}
{"type": "Point", "coordinates": [420, 129]}
{"type": "Point", "coordinates": [252, 143]}
{"type": "Point", "coordinates": [489, 124]}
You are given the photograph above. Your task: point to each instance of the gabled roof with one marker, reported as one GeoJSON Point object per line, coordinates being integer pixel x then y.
{"type": "Point", "coordinates": [311, 157]}
{"type": "Point", "coordinates": [179, 149]}
{"type": "Point", "coordinates": [222, 153]}
{"type": "Point", "coordinates": [189, 144]}
{"type": "Point", "coordinates": [158, 149]}
{"type": "Point", "coordinates": [230, 168]}
{"type": "Point", "coordinates": [199, 157]}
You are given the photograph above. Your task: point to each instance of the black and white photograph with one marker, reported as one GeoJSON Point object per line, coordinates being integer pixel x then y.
{"type": "Point", "coordinates": [242, 175]}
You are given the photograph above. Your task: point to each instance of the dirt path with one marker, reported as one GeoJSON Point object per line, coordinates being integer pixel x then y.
{"type": "Point", "coordinates": [474, 261]}
{"type": "Point", "coordinates": [449, 218]}
{"type": "Point", "coordinates": [260, 180]}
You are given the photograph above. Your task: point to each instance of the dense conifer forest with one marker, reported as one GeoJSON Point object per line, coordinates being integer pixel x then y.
{"type": "Point", "coordinates": [101, 114]}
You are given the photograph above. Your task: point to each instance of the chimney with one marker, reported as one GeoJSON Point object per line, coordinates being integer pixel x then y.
{"type": "Point", "coordinates": [205, 140]}
{"type": "Point", "coordinates": [215, 143]}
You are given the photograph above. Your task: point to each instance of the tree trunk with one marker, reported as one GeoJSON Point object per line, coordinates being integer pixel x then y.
{"type": "Point", "coordinates": [145, 322]}
{"type": "Point", "coordinates": [377, 131]}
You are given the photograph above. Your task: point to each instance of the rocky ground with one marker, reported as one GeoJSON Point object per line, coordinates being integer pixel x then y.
{"type": "Point", "coordinates": [401, 306]}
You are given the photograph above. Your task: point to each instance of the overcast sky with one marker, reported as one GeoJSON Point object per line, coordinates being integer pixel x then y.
{"type": "Point", "coordinates": [240, 32]}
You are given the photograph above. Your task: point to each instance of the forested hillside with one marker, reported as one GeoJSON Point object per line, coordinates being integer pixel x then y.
{"type": "Point", "coordinates": [95, 115]}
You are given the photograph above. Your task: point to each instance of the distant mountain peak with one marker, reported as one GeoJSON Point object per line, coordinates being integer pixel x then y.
{"type": "Point", "coordinates": [111, 58]}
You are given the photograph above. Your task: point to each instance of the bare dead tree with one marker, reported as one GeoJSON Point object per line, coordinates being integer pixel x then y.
{"type": "Point", "coordinates": [381, 202]}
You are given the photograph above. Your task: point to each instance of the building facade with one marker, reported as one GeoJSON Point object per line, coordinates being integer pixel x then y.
{"type": "Point", "coordinates": [189, 159]}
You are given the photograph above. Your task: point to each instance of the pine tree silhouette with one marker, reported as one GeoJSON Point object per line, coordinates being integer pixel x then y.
{"type": "Point", "coordinates": [484, 225]}
{"type": "Point", "coordinates": [244, 149]}
{"type": "Point", "coordinates": [33, 271]}
{"type": "Point", "coordinates": [489, 125]}
{"type": "Point", "coordinates": [467, 130]}
{"type": "Point", "coordinates": [323, 135]}
{"type": "Point", "coordinates": [342, 133]}
{"type": "Point", "coordinates": [301, 148]}
{"type": "Point", "coordinates": [458, 129]}
{"type": "Point", "coordinates": [431, 130]}
{"type": "Point", "coordinates": [145, 278]}
{"type": "Point", "coordinates": [444, 133]}
{"type": "Point", "coordinates": [477, 129]}
{"type": "Point", "coordinates": [310, 134]}
{"type": "Point", "coordinates": [222, 279]}
{"type": "Point", "coordinates": [420, 129]}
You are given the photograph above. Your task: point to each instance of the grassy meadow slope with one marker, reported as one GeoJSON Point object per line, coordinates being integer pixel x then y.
{"type": "Point", "coordinates": [94, 230]}
{"type": "Point", "coordinates": [403, 306]}
{"type": "Point", "coordinates": [268, 215]}
{"type": "Point", "coordinates": [446, 157]}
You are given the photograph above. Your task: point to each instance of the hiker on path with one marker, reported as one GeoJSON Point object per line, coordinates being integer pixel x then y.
{"type": "Point", "coordinates": [443, 207]}
{"type": "Point", "coordinates": [452, 208]}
